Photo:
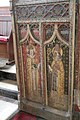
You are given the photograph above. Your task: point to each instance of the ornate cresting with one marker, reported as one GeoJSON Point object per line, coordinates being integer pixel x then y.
{"type": "Point", "coordinates": [45, 36]}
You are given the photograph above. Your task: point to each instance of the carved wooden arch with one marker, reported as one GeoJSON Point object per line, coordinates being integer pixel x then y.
{"type": "Point", "coordinates": [28, 33]}
{"type": "Point", "coordinates": [56, 34]}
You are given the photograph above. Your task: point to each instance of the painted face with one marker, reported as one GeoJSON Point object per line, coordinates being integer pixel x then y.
{"type": "Point", "coordinates": [31, 52]}
{"type": "Point", "coordinates": [57, 48]}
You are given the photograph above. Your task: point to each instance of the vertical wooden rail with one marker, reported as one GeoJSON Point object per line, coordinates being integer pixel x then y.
{"type": "Point", "coordinates": [73, 47]}
{"type": "Point", "coordinates": [14, 44]}
{"type": "Point", "coordinates": [79, 52]}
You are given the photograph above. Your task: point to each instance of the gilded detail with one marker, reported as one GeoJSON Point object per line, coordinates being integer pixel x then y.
{"type": "Point", "coordinates": [33, 71]}
{"type": "Point", "coordinates": [57, 71]}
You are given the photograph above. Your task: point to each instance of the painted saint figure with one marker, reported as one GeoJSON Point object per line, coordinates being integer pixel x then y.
{"type": "Point", "coordinates": [57, 71]}
{"type": "Point", "coordinates": [33, 67]}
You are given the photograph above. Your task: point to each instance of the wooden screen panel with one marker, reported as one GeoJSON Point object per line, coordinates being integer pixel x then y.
{"type": "Point", "coordinates": [57, 64]}
{"type": "Point", "coordinates": [52, 33]}
{"type": "Point", "coordinates": [33, 72]}
{"type": "Point", "coordinates": [31, 61]}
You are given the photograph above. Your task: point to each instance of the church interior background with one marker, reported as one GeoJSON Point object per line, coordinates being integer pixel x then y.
{"type": "Point", "coordinates": [47, 40]}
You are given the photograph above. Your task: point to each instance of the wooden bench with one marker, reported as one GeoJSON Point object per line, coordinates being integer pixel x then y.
{"type": "Point", "coordinates": [6, 38]}
{"type": "Point", "coordinates": [6, 47]}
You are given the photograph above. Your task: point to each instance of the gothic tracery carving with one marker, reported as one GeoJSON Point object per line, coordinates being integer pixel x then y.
{"type": "Point", "coordinates": [43, 11]}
